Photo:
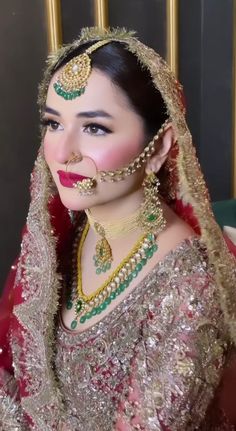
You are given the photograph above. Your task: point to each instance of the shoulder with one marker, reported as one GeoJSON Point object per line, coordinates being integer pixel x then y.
{"type": "Point", "coordinates": [176, 231]}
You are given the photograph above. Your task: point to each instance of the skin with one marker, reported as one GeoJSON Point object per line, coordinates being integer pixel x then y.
{"type": "Point", "coordinates": [70, 130]}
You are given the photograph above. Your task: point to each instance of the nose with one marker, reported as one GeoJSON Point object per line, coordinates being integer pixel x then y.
{"type": "Point", "coordinates": [66, 151]}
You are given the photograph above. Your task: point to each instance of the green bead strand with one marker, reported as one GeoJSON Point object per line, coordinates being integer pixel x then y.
{"type": "Point", "coordinates": [74, 324]}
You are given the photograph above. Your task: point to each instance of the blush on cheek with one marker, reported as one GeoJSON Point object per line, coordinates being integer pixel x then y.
{"type": "Point", "coordinates": [116, 158]}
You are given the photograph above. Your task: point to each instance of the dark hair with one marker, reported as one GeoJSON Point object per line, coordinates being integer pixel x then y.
{"type": "Point", "coordinates": [124, 70]}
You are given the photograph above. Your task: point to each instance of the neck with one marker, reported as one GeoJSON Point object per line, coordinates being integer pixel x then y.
{"type": "Point", "coordinates": [118, 208]}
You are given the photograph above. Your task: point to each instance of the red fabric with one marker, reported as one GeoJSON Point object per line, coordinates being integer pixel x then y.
{"type": "Point", "coordinates": [185, 211]}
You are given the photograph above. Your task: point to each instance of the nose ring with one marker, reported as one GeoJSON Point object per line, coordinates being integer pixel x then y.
{"type": "Point", "coordinates": [73, 159]}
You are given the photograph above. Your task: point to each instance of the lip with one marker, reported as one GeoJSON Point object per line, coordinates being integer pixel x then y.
{"type": "Point", "coordinates": [68, 179]}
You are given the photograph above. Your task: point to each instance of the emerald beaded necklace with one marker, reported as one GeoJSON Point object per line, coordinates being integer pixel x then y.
{"type": "Point", "coordinates": [87, 306]}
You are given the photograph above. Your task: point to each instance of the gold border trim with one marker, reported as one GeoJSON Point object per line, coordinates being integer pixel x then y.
{"type": "Point", "coordinates": [234, 105]}
{"type": "Point", "coordinates": [54, 24]}
{"type": "Point", "coordinates": [101, 13]}
{"type": "Point", "coordinates": [172, 11]}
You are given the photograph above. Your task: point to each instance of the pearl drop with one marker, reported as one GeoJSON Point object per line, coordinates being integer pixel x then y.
{"type": "Point", "coordinates": [75, 68]}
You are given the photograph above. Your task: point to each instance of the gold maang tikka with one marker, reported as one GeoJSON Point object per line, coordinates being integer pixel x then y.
{"type": "Point", "coordinates": [74, 75]}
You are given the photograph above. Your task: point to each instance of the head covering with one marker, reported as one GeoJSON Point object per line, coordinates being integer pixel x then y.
{"type": "Point", "coordinates": [37, 269]}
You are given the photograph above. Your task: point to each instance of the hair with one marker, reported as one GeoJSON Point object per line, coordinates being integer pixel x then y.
{"type": "Point", "coordinates": [125, 71]}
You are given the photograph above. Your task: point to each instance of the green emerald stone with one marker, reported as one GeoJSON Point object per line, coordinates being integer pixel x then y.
{"type": "Point", "coordinates": [149, 253]}
{"type": "Point", "coordinates": [103, 306]}
{"type": "Point", "coordinates": [130, 278]}
{"type": "Point", "coordinates": [107, 301]}
{"type": "Point", "coordinates": [94, 311]}
{"type": "Point", "coordinates": [134, 273]}
{"type": "Point", "coordinates": [108, 265]}
{"type": "Point", "coordinates": [98, 271]}
{"type": "Point", "coordinates": [139, 267]}
{"type": "Point", "coordinates": [89, 315]}
{"type": "Point", "coordinates": [154, 247]}
{"type": "Point", "coordinates": [73, 324]}
{"type": "Point", "coordinates": [82, 319]}
{"type": "Point", "coordinates": [144, 261]}
{"type": "Point", "coordinates": [151, 217]}
{"type": "Point", "coordinates": [69, 304]}
{"type": "Point", "coordinates": [122, 287]}
{"type": "Point", "coordinates": [113, 295]}
{"type": "Point", "coordinates": [125, 283]}
{"type": "Point", "coordinates": [99, 310]}
{"type": "Point", "coordinates": [151, 236]}
{"type": "Point", "coordinates": [78, 306]}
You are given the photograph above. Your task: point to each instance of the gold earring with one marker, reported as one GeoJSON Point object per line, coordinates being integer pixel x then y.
{"type": "Point", "coordinates": [151, 214]}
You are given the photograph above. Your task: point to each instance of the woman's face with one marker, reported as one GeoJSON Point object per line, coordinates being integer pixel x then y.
{"type": "Point", "coordinates": [101, 126]}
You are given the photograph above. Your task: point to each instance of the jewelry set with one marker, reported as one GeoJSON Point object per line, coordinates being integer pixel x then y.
{"type": "Point", "coordinates": [148, 218]}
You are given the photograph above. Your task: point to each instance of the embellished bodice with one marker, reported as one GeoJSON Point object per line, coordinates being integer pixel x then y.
{"type": "Point", "coordinates": [162, 342]}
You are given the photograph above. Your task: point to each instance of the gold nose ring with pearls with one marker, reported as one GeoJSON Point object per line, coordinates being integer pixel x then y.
{"type": "Point", "coordinates": [73, 159]}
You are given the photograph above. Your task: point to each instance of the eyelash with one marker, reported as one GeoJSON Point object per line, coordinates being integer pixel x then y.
{"type": "Point", "coordinates": [47, 122]}
{"type": "Point", "coordinates": [98, 126]}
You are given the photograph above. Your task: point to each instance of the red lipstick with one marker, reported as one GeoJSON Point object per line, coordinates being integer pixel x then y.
{"type": "Point", "coordinates": [68, 179]}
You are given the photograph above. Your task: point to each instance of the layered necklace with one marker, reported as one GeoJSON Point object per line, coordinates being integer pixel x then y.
{"type": "Point", "coordinates": [87, 306]}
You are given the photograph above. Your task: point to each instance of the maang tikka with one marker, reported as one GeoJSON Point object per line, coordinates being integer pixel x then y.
{"type": "Point", "coordinates": [74, 75]}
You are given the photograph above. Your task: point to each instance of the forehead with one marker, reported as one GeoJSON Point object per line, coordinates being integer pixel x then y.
{"type": "Point", "coordinates": [100, 92]}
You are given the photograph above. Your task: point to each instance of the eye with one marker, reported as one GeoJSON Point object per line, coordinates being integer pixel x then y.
{"type": "Point", "coordinates": [96, 129]}
{"type": "Point", "coordinates": [51, 125]}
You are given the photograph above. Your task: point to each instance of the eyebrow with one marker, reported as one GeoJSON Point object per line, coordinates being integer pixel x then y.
{"type": "Point", "coordinates": [93, 114]}
{"type": "Point", "coordinates": [86, 114]}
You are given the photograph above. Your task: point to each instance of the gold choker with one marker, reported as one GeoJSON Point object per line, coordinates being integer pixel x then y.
{"type": "Point", "coordinates": [117, 228]}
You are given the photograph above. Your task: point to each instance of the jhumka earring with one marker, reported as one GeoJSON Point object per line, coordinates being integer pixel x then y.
{"type": "Point", "coordinates": [74, 76]}
{"type": "Point", "coordinates": [151, 214]}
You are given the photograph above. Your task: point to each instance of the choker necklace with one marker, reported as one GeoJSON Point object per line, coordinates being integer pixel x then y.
{"type": "Point", "coordinates": [116, 228]}
{"type": "Point", "coordinates": [87, 306]}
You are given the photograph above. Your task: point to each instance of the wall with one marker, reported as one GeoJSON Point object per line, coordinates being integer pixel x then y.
{"type": "Point", "coordinates": [23, 48]}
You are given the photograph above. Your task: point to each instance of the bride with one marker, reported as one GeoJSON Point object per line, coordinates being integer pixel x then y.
{"type": "Point", "coordinates": [120, 311]}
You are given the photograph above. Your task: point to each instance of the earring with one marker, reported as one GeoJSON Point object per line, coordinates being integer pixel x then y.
{"type": "Point", "coordinates": [103, 257]}
{"type": "Point", "coordinates": [151, 214]}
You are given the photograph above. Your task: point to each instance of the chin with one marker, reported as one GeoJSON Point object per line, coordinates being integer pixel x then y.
{"type": "Point", "coordinates": [76, 202]}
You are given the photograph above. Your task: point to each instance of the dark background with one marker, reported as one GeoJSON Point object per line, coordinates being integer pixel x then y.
{"type": "Point", "coordinates": [205, 69]}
